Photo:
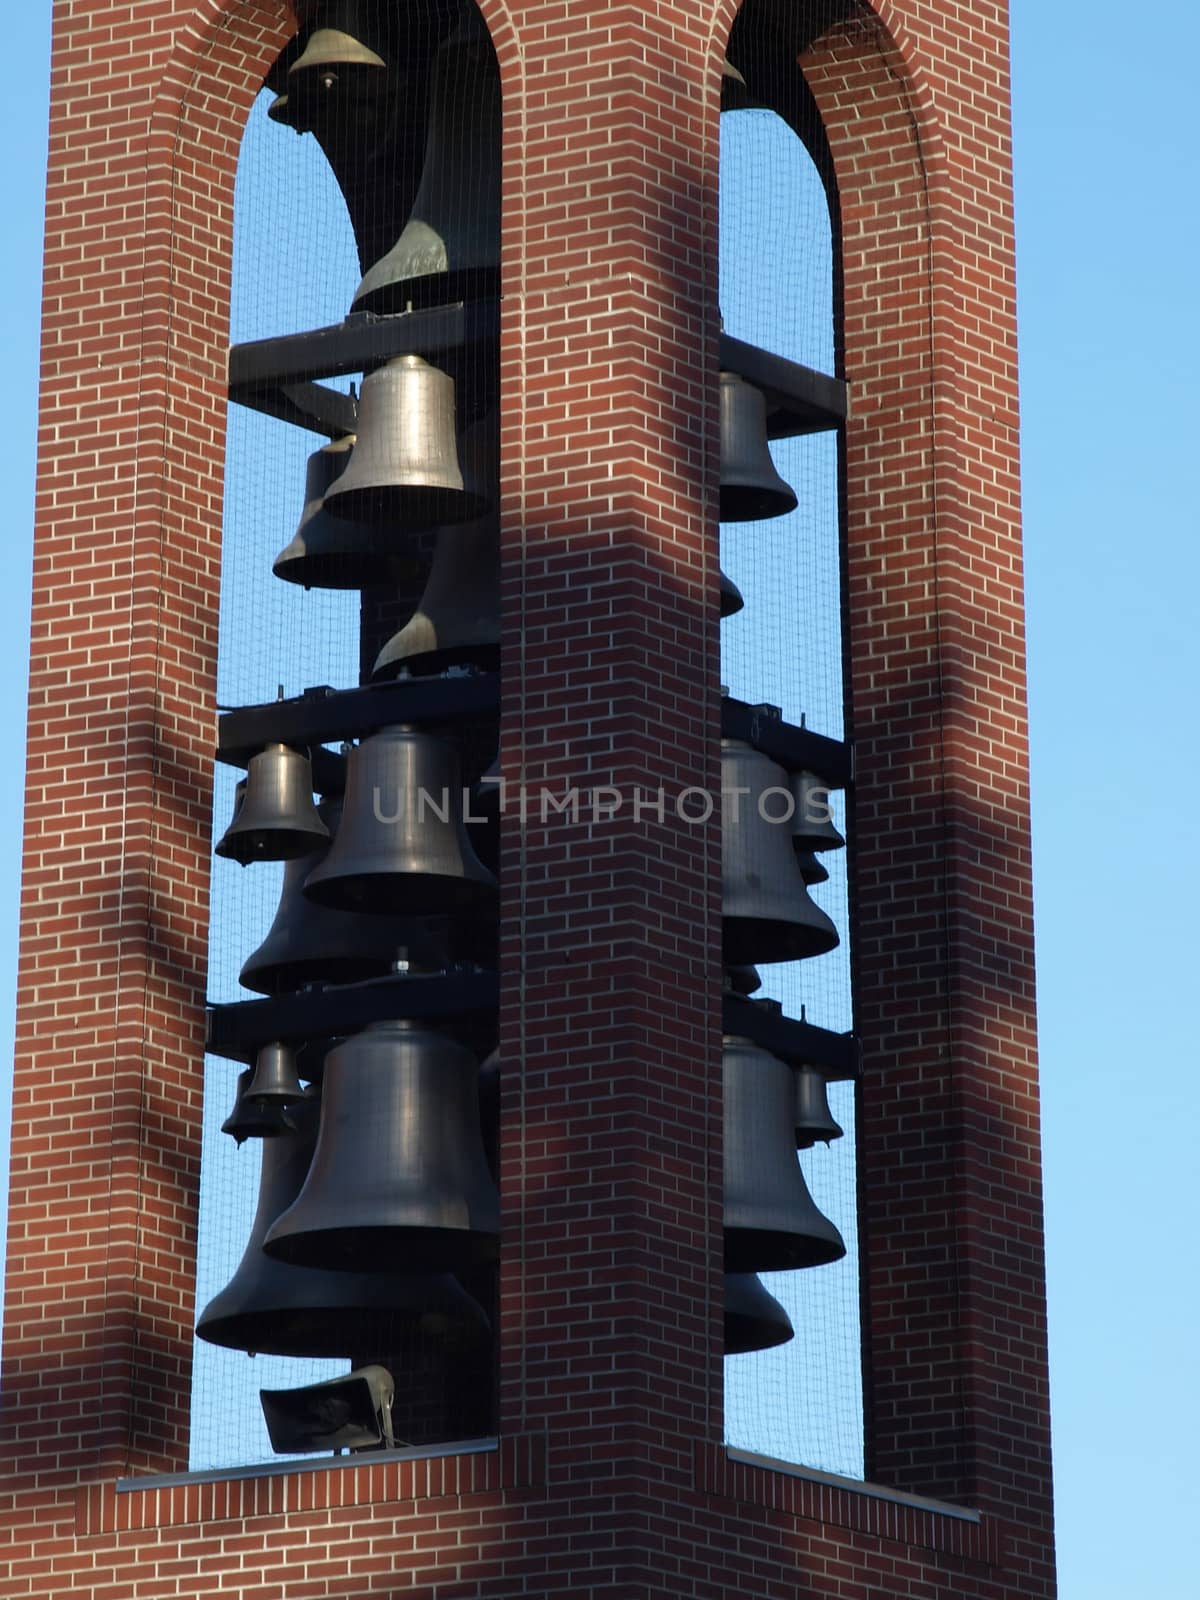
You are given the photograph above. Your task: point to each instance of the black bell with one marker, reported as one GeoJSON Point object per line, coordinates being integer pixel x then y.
{"type": "Point", "coordinates": [328, 552]}
{"type": "Point", "coordinates": [814, 1120]}
{"type": "Point", "coordinates": [277, 819]}
{"type": "Point", "coordinates": [771, 1222]}
{"type": "Point", "coordinates": [309, 943]}
{"type": "Point", "coordinates": [731, 597]}
{"type": "Point", "coordinates": [335, 69]}
{"type": "Point", "coordinates": [751, 488]}
{"type": "Point", "coordinates": [812, 870]}
{"type": "Point", "coordinates": [405, 469]}
{"type": "Point", "coordinates": [275, 1081]}
{"type": "Point", "coordinates": [754, 1319]}
{"type": "Point", "coordinates": [270, 1308]}
{"type": "Point", "coordinates": [399, 1177]}
{"type": "Point", "coordinates": [767, 914]}
{"type": "Point", "coordinates": [402, 846]}
{"type": "Point", "coordinates": [449, 248]}
{"type": "Point", "coordinates": [742, 980]}
{"type": "Point", "coordinates": [255, 1120]}
{"type": "Point", "coordinates": [812, 822]}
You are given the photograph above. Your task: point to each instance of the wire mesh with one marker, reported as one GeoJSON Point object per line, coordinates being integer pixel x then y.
{"type": "Point", "coordinates": [802, 1401]}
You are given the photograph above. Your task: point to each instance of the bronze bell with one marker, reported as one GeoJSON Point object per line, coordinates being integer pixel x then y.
{"type": "Point", "coordinates": [270, 1308]}
{"type": "Point", "coordinates": [277, 819]}
{"type": "Point", "coordinates": [275, 1081]}
{"type": "Point", "coordinates": [754, 1319]}
{"type": "Point", "coordinates": [402, 846]}
{"type": "Point", "coordinates": [308, 943]}
{"type": "Point", "coordinates": [812, 870]}
{"type": "Point", "coordinates": [457, 619]}
{"type": "Point", "coordinates": [731, 597]}
{"type": "Point", "coordinates": [771, 1222]}
{"type": "Point", "coordinates": [239, 800]}
{"type": "Point", "coordinates": [449, 248]}
{"type": "Point", "coordinates": [767, 914]}
{"type": "Point", "coordinates": [405, 466]}
{"type": "Point", "coordinates": [812, 822]}
{"type": "Point", "coordinates": [249, 1120]}
{"type": "Point", "coordinates": [751, 489]}
{"type": "Point", "coordinates": [334, 60]}
{"type": "Point", "coordinates": [814, 1120]}
{"type": "Point", "coordinates": [399, 1176]}
{"type": "Point", "coordinates": [328, 552]}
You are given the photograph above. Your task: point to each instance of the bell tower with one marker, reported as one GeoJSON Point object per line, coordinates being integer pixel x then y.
{"type": "Point", "coordinates": [528, 1135]}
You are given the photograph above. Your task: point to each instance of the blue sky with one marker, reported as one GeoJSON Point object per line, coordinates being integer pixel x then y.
{"type": "Point", "coordinates": [1107, 188]}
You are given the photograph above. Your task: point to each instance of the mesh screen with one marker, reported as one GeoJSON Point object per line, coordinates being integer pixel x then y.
{"type": "Point", "coordinates": [802, 1401]}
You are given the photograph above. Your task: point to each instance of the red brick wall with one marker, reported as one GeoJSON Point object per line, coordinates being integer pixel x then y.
{"type": "Point", "coordinates": [611, 1479]}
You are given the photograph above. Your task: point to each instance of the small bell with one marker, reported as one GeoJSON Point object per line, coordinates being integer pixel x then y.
{"type": "Point", "coordinates": [754, 1319]}
{"type": "Point", "coordinates": [731, 597]}
{"type": "Point", "coordinates": [328, 552]}
{"type": "Point", "coordinates": [277, 819]}
{"type": "Point", "coordinates": [811, 870]}
{"type": "Point", "coordinates": [275, 1081]}
{"type": "Point", "coordinates": [814, 1120]}
{"type": "Point", "coordinates": [751, 488]}
{"type": "Point", "coordinates": [742, 980]}
{"type": "Point", "coordinates": [812, 821]}
{"type": "Point", "coordinates": [249, 1121]}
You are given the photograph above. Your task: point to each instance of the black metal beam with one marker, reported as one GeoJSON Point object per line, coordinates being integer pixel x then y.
{"type": "Point", "coordinates": [796, 749]}
{"type": "Point", "coordinates": [799, 399]}
{"type": "Point", "coordinates": [801, 1043]}
{"type": "Point", "coordinates": [323, 715]}
{"type": "Point", "coordinates": [276, 375]}
{"type": "Point", "coordinates": [465, 1000]}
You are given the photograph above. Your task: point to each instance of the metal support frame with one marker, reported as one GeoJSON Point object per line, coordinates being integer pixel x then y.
{"type": "Point", "coordinates": [278, 376]}
{"type": "Point", "coordinates": [465, 1000]}
{"type": "Point", "coordinates": [837, 1055]}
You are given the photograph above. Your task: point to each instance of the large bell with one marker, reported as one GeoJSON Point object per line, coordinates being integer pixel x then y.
{"type": "Point", "coordinates": [255, 1119]}
{"type": "Point", "coordinates": [814, 1120]}
{"type": "Point", "coordinates": [329, 552]}
{"type": "Point", "coordinates": [309, 943]}
{"type": "Point", "coordinates": [483, 820]}
{"type": "Point", "coordinates": [767, 914]}
{"type": "Point", "coordinates": [399, 1177]}
{"type": "Point", "coordinates": [277, 819]}
{"type": "Point", "coordinates": [457, 619]}
{"type": "Point", "coordinates": [771, 1223]}
{"type": "Point", "coordinates": [270, 1308]}
{"type": "Point", "coordinates": [751, 489]}
{"type": "Point", "coordinates": [402, 846]}
{"type": "Point", "coordinates": [449, 248]}
{"type": "Point", "coordinates": [405, 466]}
{"type": "Point", "coordinates": [754, 1319]}
{"type": "Point", "coordinates": [812, 822]}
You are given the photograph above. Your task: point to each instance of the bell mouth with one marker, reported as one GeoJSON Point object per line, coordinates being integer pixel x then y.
{"type": "Point", "coordinates": [751, 941]}
{"type": "Point", "coordinates": [402, 893]}
{"type": "Point", "coordinates": [351, 1248]}
{"type": "Point", "coordinates": [430, 663]}
{"type": "Point", "coordinates": [418, 505]}
{"type": "Point", "coordinates": [744, 502]}
{"type": "Point", "coordinates": [782, 1249]}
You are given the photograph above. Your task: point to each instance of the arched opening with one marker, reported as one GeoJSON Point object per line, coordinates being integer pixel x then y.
{"type": "Point", "coordinates": [366, 191]}
{"type": "Point", "coordinates": [800, 1401]}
